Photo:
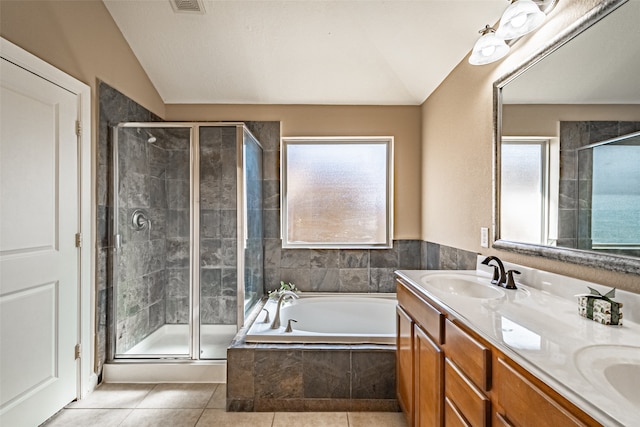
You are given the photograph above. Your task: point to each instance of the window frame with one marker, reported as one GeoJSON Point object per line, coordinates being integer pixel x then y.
{"type": "Point", "coordinates": [548, 221]}
{"type": "Point", "coordinates": [388, 141]}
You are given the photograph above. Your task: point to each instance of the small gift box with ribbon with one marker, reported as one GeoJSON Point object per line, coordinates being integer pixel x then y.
{"type": "Point", "coordinates": [600, 308]}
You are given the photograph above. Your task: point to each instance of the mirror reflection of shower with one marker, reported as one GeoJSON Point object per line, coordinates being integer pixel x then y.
{"type": "Point", "coordinates": [184, 278]}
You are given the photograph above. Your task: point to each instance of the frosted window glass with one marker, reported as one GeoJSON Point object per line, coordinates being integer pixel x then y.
{"type": "Point", "coordinates": [336, 193]}
{"type": "Point", "coordinates": [522, 192]}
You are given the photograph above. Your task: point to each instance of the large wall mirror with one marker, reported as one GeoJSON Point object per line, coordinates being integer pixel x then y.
{"type": "Point", "coordinates": [567, 133]}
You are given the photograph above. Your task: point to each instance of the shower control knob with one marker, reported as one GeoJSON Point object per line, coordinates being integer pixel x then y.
{"type": "Point", "coordinates": [139, 220]}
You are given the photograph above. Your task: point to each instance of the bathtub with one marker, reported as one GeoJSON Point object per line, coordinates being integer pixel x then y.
{"type": "Point", "coordinates": [330, 318]}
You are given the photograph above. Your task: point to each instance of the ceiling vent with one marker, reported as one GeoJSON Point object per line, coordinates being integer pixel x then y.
{"type": "Point", "coordinates": [187, 6]}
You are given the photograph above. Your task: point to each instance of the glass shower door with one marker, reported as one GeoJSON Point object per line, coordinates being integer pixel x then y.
{"type": "Point", "coordinates": [253, 228]}
{"type": "Point", "coordinates": [218, 248]}
{"type": "Point", "coordinates": [152, 211]}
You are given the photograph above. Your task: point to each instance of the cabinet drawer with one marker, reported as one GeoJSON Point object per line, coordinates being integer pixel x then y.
{"type": "Point", "coordinates": [453, 417]}
{"type": "Point", "coordinates": [525, 404]}
{"type": "Point", "coordinates": [473, 358]}
{"type": "Point", "coordinates": [427, 316]}
{"type": "Point", "coordinates": [472, 404]}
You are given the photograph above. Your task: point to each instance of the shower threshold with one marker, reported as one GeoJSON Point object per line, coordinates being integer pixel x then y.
{"type": "Point", "coordinates": [147, 366]}
{"type": "Point", "coordinates": [174, 339]}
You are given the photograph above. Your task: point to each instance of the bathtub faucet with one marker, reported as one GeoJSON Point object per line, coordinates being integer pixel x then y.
{"type": "Point", "coordinates": [276, 319]}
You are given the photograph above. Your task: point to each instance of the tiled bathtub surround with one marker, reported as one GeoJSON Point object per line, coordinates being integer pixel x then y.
{"type": "Point", "coordinates": [335, 270]}
{"type": "Point", "coordinates": [311, 378]}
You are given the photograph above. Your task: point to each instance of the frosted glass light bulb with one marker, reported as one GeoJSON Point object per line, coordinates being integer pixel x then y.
{"type": "Point", "coordinates": [518, 21]}
{"type": "Point", "coordinates": [488, 50]}
{"type": "Point", "coordinates": [520, 18]}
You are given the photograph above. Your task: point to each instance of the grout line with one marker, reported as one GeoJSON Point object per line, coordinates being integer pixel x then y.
{"type": "Point", "coordinates": [200, 417]}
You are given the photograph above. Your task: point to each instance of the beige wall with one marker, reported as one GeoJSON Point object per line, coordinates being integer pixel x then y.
{"type": "Point", "coordinates": [81, 39]}
{"type": "Point", "coordinates": [457, 138]}
{"type": "Point", "coordinates": [543, 120]}
{"type": "Point", "coordinates": [447, 205]}
{"type": "Point", "coordinates": [402, 122]}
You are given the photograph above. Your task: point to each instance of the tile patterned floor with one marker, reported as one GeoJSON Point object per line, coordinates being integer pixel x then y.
{"type": "Point", "coordinates": [195, 405]}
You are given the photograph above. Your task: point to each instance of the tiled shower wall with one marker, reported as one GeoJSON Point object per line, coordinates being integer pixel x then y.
{"type": "Point", "coordinates": [114, 108]}
{"type": "Point", "coordinates": [218, 226]}
{"type": "Point", "coordinates": [141, 266]}
{"type": "Point", "coordinates": [574, 219]}
{"type": "Point", "coordinates": [160, 184]}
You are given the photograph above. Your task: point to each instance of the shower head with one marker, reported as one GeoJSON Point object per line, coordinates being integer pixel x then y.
{"type": "Point", "coordinates": [151, 138]}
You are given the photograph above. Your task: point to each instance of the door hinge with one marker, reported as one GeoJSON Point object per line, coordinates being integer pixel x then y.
{"type": "Point", "coordinates": [77, 352]}
{"type": "Point", "coordinates": [78, 240]}
{"type": "Point", "coordinates": [78, 128]}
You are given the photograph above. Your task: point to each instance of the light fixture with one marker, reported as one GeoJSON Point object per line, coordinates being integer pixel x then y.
{"type": "Point", "coordinates": [489, 48]}
{"type": "Point", "coordinates": [520, 18]}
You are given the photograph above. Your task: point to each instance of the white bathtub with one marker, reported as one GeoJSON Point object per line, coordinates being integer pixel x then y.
{"type": "Point", "coordinates": [330, 318]}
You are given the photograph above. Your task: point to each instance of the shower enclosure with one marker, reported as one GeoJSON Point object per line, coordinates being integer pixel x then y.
{"type": "Point", "coordinates": [187, 239]}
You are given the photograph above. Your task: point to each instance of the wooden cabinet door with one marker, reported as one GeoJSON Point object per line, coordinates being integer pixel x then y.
{"type": "Point", "coordinates": [429, 374]}
{"type": "Point", "coordinates": [404, 363]}
{"type": "Point", "coordinates": [525, 404]}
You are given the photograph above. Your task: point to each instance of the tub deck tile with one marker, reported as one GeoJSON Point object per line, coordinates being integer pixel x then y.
{"type": "Point", "coordinates": [278, 374]}
{"type": "Point", "coordinates": [326, 374]}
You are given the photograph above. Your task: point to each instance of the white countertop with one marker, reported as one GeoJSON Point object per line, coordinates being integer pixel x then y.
{"type": "Point", "coordinates": [539, 327]}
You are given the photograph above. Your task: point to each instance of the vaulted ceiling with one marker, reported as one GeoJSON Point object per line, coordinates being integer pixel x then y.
{"type": "Point", "coordinates": [364, 52]}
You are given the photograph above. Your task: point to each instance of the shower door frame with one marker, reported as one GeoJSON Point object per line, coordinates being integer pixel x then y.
{"type": "Point", "coordinates": [194, 235]}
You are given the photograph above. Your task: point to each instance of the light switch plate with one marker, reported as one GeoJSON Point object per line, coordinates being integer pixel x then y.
{"type": "Point", "coordinates": [484, 237]}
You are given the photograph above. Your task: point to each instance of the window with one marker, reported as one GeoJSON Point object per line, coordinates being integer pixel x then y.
{"type": "Point", "coordinates": [337, 192]}
{"type": "Point", "coordinates": [525, 196]}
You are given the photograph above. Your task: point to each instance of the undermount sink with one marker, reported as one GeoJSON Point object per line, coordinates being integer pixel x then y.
{"type": "Point", "coordinates": [463, 285]}
{"type": "Point", "coordinates": [612, 368]}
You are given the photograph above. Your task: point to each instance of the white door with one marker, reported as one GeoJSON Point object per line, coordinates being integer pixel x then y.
{"type": "Point", "coordinates": [39, 261]}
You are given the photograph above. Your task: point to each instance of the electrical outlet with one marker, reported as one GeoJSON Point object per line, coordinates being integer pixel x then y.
{"type": "Point", "coordinates": [484, 237]}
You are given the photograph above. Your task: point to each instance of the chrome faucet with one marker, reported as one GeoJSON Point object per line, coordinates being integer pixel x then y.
{"type": "Point", "coordinates": [499, 275]}
{"type": "Point", "coordinates": [276, 319]}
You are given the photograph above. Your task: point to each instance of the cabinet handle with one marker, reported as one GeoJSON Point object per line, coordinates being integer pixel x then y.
{"type": "Point", "coordinates": [503, 420]}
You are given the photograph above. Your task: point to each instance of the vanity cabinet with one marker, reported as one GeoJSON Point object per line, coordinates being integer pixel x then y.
{"type": "Point", "coordinates": [449, 376]}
